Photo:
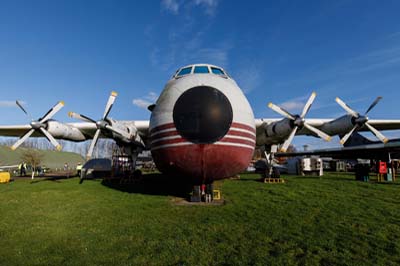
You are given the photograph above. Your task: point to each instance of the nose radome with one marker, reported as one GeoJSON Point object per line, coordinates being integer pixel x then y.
{"type": "Point", "coordinates": [202, 115]}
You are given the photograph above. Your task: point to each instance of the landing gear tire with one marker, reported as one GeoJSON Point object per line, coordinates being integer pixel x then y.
{"type": "Point", "coordinates": [275, 173]}
{"type": "Point", "coordinates": [82, 176]}
{"type": "Point", "coordinates": [137, 175]}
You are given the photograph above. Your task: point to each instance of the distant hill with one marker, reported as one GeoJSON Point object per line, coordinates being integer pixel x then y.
{"type": "Point", "coordinates": [52, 159]}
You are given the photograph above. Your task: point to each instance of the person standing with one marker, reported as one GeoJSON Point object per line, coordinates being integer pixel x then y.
{"type": "Point", "coordinates": [203, 192]}
{"type": "Point", "coordinates": [22, 170]}
{"type": "Point", "coordinates": [78, 169]}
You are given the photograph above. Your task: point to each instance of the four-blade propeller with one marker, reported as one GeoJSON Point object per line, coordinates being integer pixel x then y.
{"type": "Point", "coordinates": [361, 120]}
{"type": "Point", "coordinates": [41, 125]}
{"type": "Point", "coordinates": [102, 124]}
{"type": "Point", "coordinates": [299, 122]}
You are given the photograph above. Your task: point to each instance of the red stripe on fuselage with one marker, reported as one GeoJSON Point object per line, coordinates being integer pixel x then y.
{"type": "Point", "coordinates": [162, 127]}
{"type": "Point", "coordinates": [240, 134]}
{"type": "Point", "coordinates": [157, 143]}
{"type": "Point", "coordinates": [231, 131]}
{"type": "Point", "coordinates": [238, 141]}
{"type": "Point", "coordinates": [162, 140]}
{"type": "Point", "coordinates": [165, 134]}
{"type": "Point", "coordinates": [243, 126]}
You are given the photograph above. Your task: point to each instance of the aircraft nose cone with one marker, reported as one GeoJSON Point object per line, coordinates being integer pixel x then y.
{"type": "Point", "coordinates": [202, 115]}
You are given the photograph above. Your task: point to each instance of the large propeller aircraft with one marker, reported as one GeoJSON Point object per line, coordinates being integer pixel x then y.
{"type": "Point", "coordinates": [201, 127]}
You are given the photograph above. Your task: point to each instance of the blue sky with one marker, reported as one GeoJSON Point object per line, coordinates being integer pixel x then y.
{"type": "Point", "coordinates": [279, 51]}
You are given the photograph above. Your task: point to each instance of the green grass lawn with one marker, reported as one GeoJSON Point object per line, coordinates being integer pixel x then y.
{"type": "Point", "coordinates": [332, 220]}
{"type": "Point", "coordinates": [51, 158]}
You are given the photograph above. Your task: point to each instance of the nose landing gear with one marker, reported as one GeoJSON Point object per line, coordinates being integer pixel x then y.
{"type": "Point", "coordinates": [202, 193]}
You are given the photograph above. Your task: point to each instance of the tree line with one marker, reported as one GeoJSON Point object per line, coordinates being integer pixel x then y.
{"type": "Point", "coordinates": [104, 147]}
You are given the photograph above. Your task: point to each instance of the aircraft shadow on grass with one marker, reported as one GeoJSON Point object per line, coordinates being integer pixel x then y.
{"type": "Point", "coordinates": [53, 178]}
{"type": "Point", "coordinates": [248, 179]}
{"type": "Point", "coordinates": [154, 184]}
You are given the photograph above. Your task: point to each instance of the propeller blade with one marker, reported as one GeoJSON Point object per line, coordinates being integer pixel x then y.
{"type": "Point", "coordinates": [118, 131]}
{"type": "Point", "coordinates": [347, 136]}
{"type": "Point", "coordinates": [51, 139]}
{"type": "Point", "coordinates": [378, 134]}
{"type": "Point", "coordinates": [22, 139]}
{"type": "Point", "coordinates": [346, 107]}
{"type": "Point", "coordinates": [281, 111]}
{"type": "Point", "coordinates": [52, 112]}
{"type": "Point", "coordinates": [92, 144]}
{"type": "Point", "coordinates": [287, 142]}
{"type": "Point", "coordinates": [373, 104]}
{"type": "Point", "coordinates": [306, 107]}
{"type": "Point", "coordinates": [22, 108]}
{"type": "Point", "coordinates": [80, 117]}
{"type": "Point", "coordinates": [320, 133]}
{"type": "Point", "coordinates": [110, 103]}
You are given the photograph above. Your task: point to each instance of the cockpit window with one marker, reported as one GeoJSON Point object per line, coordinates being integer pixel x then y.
{"type": "Point", "coordinates": [200, 70]}
{"type": "Point", "coordinates": [217, 71]}
{"type": "Point", "coordinates": [184, 71]}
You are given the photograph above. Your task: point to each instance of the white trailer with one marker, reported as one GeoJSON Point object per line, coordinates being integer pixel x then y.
{"type": "Point", "coordinates": [305, 166]}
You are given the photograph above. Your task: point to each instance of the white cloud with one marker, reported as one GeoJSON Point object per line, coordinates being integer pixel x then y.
{"type": "Point", "coordinates": [173, 6]}
{"type": "Point", "coordinates": [187, 42]}
{"type": "Point", "coordinates": [295, 104]}
{"type": "Point", "coordinates": [152, 96]}
{"type": "Point", "coordinates": [394, 34]}
{"type": "Point", "coordinates": [387, 57]}
{"type": "Point", "coordinates": [248, 77]}
{"type": "Point", "coordinates": [147, 100]}
{"type": "Point", "coordinates": [216, 55]}
{"type": "Point", "coordinates": [292, 105]}
{"type": "Point", "coordinates": [170, 6]}
{"type": "Point", "coordinates": [141, 103]}
{"type": "Point", "coordinates": [7, 104]}
{"type": "Point", "coordinates": [10, 103]}
{"type": "Point", "coordinates": [209, 5]}
{"type": "Point", "coordinates": [188, 48]}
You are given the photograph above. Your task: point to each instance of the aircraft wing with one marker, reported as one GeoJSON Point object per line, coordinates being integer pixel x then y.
{"type": "Point", "coordinates": [15, 130]}
{"type": "Point", "coordinates": [19, 130]}
{"type": "Point", "coordinates": [316, 122]}
{"type": "Point", "coordinates": [379, 124]}
{"type": "Point", "coordinates": [368, 151]}
{"type": "Point", "coordinates": [87, 129]}
{"type": "Point", "coordinates": [272, 131]}
{"type": "Point", "coordinates": [382, 124]}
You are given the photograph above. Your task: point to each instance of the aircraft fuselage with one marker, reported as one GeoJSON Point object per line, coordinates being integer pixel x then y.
{"type": "Point", "coordinates": [202, 127]}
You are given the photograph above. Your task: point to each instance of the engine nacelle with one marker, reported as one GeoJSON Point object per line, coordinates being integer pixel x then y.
{"type": "Point", "coordinates": [341, 125]}
{"type": "Point", "coordinates": [131, 133]}
{"type": "Point", "coordinates": [64, 131]}
{"type": "Point", "coordinates": [274, 132]}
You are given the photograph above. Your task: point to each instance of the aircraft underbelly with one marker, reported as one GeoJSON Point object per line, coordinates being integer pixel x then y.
{"type": "Point", "coordinates": [203, 163]}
